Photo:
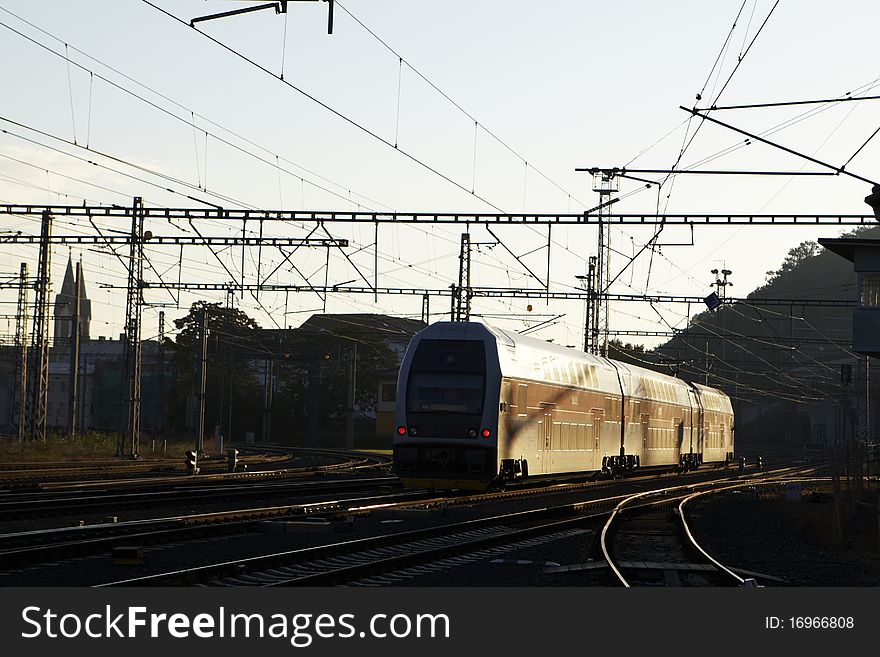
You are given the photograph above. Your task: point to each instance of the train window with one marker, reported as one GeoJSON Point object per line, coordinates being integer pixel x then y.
{"type": "Point", "coordinates": [446, 392]}
{"type": "Point", "coordinates": [565, 435]}
{"type": "Point", "coordinates": [522, 407]}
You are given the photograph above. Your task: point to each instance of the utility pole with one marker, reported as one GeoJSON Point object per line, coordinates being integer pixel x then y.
{"type": "Point", "coordinates": [201, 371]}
{"type": "Point", "coordinates": [75, 322]}
{"type": "Point", "coordinates": [21, 341]}
{"type": "Point", "coordinates": [161, 400]}
{"type": "Point", "coordinates": [131, 379]}
{"type": "Point", "coordinates": [352, 387]}
{"type": "Point", "coordinates": [39, 388]}
{"type": "Point", "coordinates": [267, 400]}
{"type": "Point", "coordinates": [605, 183]}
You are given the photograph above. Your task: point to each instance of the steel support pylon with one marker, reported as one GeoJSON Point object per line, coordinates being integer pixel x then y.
{"type": "Point", "coordinates": [463, 293]}
{"type": "Point", "coordinates": [39, 386]}
{"type": "Point", "coordinates": [131, 380]}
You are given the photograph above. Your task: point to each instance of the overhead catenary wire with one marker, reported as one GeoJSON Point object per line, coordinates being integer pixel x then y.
{"type": "Point", "coordinates": [187, 110]}
{"type": "Point", "coordinates": [327, 107]}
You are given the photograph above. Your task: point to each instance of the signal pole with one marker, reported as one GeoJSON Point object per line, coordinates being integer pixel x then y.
{"type": "Point", "coordinates": [591, 326]}
{"type": "Point", "coordinates": [721, 285]}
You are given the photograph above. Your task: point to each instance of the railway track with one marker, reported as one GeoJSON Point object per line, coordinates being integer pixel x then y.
{"type": "Point", "coordinates": [43, 476]}
{"type": "Point", "coordinates": [386, 559]}
{"type": "Point", "coordinates": [648, 541]}
{"type": "Point", "coordinates": [22, 548]}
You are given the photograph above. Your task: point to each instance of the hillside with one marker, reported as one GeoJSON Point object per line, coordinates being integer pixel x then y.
{"type": "Point", "coordinates": [786, 365]}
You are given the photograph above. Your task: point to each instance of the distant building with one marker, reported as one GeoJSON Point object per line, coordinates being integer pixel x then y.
{"type": "Point", "coordinates": [65, 301]}
{"type": "Point", "coordinates": [99, 398]}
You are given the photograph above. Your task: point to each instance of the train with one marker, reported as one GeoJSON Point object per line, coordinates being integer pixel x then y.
{"type": "Point", "coordinates": [478, 406]}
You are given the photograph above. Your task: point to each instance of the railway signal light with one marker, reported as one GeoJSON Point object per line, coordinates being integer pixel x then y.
{"type": "Point", "coordinates": [873, 199]}
{"type": "Point", "coordinates": [231, 459]}
{"type": "Point", "coordinates": [191, 460]}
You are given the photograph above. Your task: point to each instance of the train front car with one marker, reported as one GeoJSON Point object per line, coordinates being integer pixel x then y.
{"type": "Point", "coordinates": [446, 420]}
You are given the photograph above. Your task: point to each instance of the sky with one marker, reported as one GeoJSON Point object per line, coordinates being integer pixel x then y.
{"type": "Point", "coordinates": [416, 107]}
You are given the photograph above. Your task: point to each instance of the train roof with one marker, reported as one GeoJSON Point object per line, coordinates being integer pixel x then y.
{"type": "Point", "coordinates": [532, 358]}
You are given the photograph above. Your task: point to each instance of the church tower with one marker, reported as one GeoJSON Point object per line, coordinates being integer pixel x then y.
{"type": "Point", "coordinates": [64, 303]}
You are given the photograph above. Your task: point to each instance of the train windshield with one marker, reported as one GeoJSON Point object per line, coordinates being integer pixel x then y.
{"type": "Point", "coordinates": [445, 393]}
{"type": "Point", "coordinates": [446, 378]}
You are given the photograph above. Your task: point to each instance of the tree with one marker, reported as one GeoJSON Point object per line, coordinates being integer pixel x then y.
{"type": "Point", "coordinates": [233, 394]}
{"type": "Point", "coordinates": [797, 255]}
{"type": "Point", "coordinates": [312, 395]}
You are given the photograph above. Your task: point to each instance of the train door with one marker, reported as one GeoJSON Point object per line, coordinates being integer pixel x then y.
{"type": "Point", "coordinates": [696, 420]}
{"type": "Point", "coordinates": [597, 433]}
{"type": "Point", "coordinates": [545, 447]}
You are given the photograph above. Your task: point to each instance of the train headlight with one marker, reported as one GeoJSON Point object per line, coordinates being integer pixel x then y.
{"type": "Point", "coordinates": [472, 433]}
{"type": "Point", "coordinates": [401, 431]}
{"type": "Point", "coordinates": [413, 431]}
{"type": "Point", "coordinates": [485, 433]}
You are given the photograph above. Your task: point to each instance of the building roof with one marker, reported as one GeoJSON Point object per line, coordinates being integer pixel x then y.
{"type": "Point", "coordinates": [846, 246]}
{"type": "Point", "coordinates": [360, 324]}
